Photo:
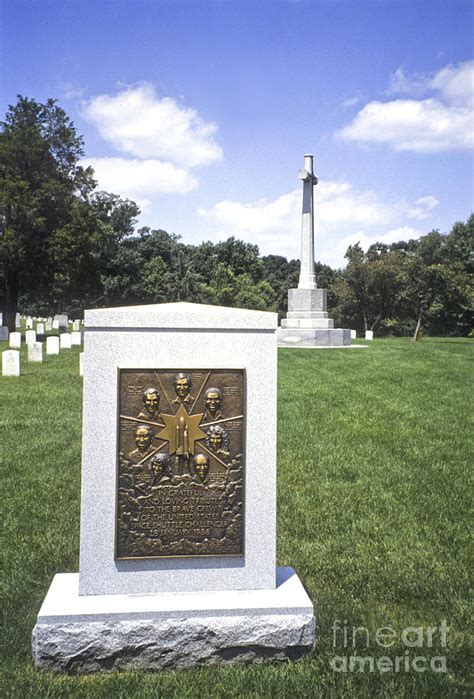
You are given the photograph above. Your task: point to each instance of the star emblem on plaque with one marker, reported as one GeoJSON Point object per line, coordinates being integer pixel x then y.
{"type": "Point", "coordinates": [180, 463]}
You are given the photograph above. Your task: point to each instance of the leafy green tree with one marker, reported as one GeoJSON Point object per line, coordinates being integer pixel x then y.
{"type": "Point", "coordinates": [187, 282]}
{"type": "Point", "coordinates": [352, 290]}
{"type": "Point", "coordinates": [142, 269]}
{"type": "Point", "coordinates": [239, 257]}
{"type": "Point", "coordinates": [42, 188]}
{"type": "Point", "coordinates": [437, 283]}
{"type": "Point", "coordinates": [281, 275]}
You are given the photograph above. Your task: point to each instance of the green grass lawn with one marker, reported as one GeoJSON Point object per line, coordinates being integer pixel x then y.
{"type": "Point", "coordinates": [374, 496]}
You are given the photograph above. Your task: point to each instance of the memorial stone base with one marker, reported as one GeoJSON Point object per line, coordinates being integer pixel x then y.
{"type": "Point", "coordinates": [307, 323]}
{"type": "Point", "coordinates": [85, 634]}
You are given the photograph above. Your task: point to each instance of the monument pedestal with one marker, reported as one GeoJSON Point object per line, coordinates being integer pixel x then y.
{"type": "Point", "coordinates": [90, 633]}
{"type": "Point", "coordinates": [307, 323]}
{"type": "Point", "coordinates": [178, 517]}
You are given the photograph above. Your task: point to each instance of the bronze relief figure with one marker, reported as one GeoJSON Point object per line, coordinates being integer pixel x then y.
{"type": "Point", "coordinates": [180, 464]}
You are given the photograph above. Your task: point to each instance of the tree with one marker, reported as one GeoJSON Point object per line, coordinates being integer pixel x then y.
{"type": "Point", "coordinates": [42, 187]}
{"type": "Point", "coordinates": [352, 291]}
{"type": "Point", "coordinates": [187, 282]}
{"type": "Point", "coordinates": [423, 276]}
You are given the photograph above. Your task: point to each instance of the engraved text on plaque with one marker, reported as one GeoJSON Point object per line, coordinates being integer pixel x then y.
{"type": "Point", "coordinates": [180, 463]}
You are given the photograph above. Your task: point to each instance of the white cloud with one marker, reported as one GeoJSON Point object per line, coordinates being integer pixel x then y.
{"type": "Point", "coordinates": [402, 84]}
{"type": "Point", "coordinates": [136, 121]}
{"type": "Point", "coordinates": [71, 91]}
{"type": "Point", "coordinates": [339, 207]}
{"type": "Point", "coordinates": [434, 124]}
{"type": "Point", "coordinates": [139, 179]}
{"type": "Point", "coordinates": [422, 208]}
{"type": "Point", "coordinates": [456, 83]}
{"type": "Point", "coordinates": [340, 202]}
{"type": "Point", "coordinates": [352, 101]}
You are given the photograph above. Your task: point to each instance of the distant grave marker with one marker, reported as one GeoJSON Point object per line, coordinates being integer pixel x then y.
{"type": "Point", "coordinates": [11, 363]}
{"type": "Point", "coordinates": [4, 334]}
{"type": "Point", "coordinates": [15, 340]}
{"type": "Point", "coordinates": [76, 338]}
{"type": "Point", "coordinates": [369, 334]}
{"type": "Point", "coordinates": [35, 352]}
{"type": "Point", "coordinates": [30, 336]}
{"type": "Point", "coordinates": [65, 341]}
{"type": "Point", "coordinates": [62, 320]}
{"type": "Point", "coordinates": [52, 344]}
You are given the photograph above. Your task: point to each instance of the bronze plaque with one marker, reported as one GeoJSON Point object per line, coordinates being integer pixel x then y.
{"type": "Point", "coordinates": [180, 462]}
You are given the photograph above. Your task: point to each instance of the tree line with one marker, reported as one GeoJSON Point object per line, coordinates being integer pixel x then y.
{"type": "Point", "coordinates": [64, 247]}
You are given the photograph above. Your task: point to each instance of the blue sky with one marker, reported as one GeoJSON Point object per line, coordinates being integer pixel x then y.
{"type": "Point", "coordinates": [202, 111]}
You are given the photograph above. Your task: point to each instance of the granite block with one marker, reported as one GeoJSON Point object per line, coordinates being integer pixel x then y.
{"type": "Point", "coordinates": [304, 337]}
{"type": "Point", "coordinates": [306, 314]}
{"type": "Point", "coordinates": [323, 323]}
{"type": "Point", "coordinates": [230, 343]}
{"type": "Point", "coordinates": [154, 632]}
{"type": "Point", "coordinates": [307, 300]}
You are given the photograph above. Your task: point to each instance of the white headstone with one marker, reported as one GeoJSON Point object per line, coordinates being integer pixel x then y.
{"type": "Point", "coordinates": [1, 318]}
{"type": "Point", "coordinates": [55, 324]}
{"type": "Point", "coordinates": [62, 320]}
{"type": "Point", "coordinates": [15, 340]}
{"type": "Point", "coordinates": [4, 333]}
{"type": "Point", "coordinates": [76, 338]}
{"type": "Point", "coordinates": [29, 323]}
{"type": "Point", "coordinates": [30, 336]}
{"type": "Point", "coordinates": [65, 341]}
{"type": "Point", "coordinates": [353, 334]}
{"type": "Point", "coordinates": [17, 320]}
{"type": "Point", "coordinates": [11, 363]}
{"type": "Point", "coordinates": [40, 328]}
{"type": "Point", "coordinates": [48, 326]}
{"type": "Point", "coordinates": [35, 352]}
{"type": "Point", "coordinates": [52, 344]}
{"type": "Point", "coordinates": [76, 325]}
{"type": "Point", "coordinates": [369, 334]}
{"type": "Point", "coordinates": [81, 364]}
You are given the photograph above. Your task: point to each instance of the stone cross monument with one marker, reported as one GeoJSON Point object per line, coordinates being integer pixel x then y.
{"type": "Point", "coordinates": [307, 323]}
{"type": "Point", "coordinates": [307, 275]}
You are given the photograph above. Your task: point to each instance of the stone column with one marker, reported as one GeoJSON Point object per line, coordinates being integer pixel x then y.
{"type": "Point", "coordinates": [307, 276]}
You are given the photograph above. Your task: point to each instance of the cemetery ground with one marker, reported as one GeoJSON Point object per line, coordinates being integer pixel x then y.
{"type": "Point", "coordinates": [374, 465]}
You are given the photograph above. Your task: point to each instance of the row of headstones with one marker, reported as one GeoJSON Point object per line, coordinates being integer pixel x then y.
{"type": "Point", "coordinates": [43, 326]}
{"type": "Point", "coordinates": [49, 324]}
{"type": "Point", "coordinates": [11, 358]}
{"type": "Point", "coordinates": [369, 334]}
{"type": "Point", "coordinates": [53, 342]}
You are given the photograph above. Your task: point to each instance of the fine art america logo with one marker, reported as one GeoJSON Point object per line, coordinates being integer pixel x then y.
{"type": "Point", "coordinates": [354, 644]}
